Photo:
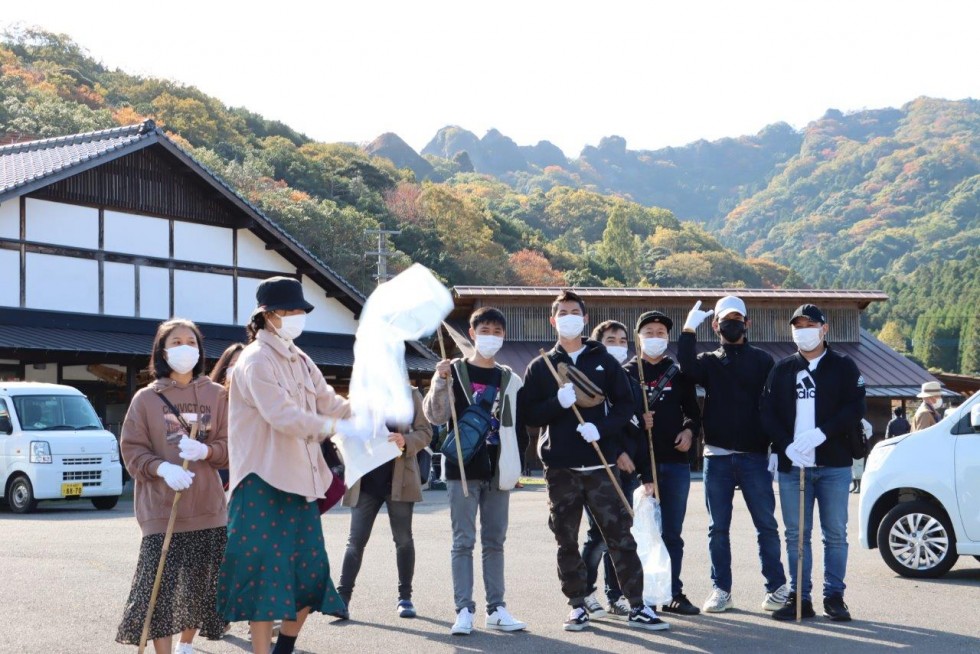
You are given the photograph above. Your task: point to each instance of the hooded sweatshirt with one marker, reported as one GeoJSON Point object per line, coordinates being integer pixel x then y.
{"type": "Point", "coordinates": [150, 436]}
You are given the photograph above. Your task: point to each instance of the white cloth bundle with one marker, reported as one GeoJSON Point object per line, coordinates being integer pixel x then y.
{"type": "Point", "coordinates": [408, 307]}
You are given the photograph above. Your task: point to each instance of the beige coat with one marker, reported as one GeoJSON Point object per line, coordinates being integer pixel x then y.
{"type": "Point", "coordinates": [924, 417]}
{"type": "Point", "coordinates": [278, 405]}
{"type": "Point", "coordinates": [150, 436]}
{"type": "Point", "coordinates": [406, 485]}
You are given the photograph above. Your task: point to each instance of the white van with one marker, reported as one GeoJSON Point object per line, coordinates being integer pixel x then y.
{"type": "Point", "coordinates": [53, 447]}
{"type": "Point", "coordinates": [920, 495]}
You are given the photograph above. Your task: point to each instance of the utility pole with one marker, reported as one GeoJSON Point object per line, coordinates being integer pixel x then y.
{"type": "Point", "coordinates": [382, 252]}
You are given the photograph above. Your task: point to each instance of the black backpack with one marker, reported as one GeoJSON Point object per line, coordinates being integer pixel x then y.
{"type": "Point", "coordinates": [473, 425]}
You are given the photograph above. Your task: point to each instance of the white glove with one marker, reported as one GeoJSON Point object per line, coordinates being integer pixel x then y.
{"type": "Point", "coordinates": [801, 457]}
{"type": "Point", "coordinates": [695, 316]}
{"type": "Point", "coordinates": [810, 438]}
{"type": "Point", "coordinates": [773, 465]}
{"type": "Point", "coordinates": [357, 430]}
{"type": "Point", "coordinates": [566, 395]}
{"type": "Point", "coordinates": [192, 450]}
{"type": "Point", "coordinates": [176, 477]}
{"type": "Point", "coordinates": [588, 431]}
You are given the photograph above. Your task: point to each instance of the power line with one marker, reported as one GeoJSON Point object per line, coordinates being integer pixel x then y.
{"type": "Point", "coordinates": [382, 252]}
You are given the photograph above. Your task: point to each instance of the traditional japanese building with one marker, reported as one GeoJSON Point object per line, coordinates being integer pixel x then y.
{"type": "Point", "coordinates": [105, 234]}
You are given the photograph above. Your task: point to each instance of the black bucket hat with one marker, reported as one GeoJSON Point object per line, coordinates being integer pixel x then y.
{"type": "Point", "coordinates": [282, 294]}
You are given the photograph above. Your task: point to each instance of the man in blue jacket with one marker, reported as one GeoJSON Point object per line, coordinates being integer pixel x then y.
{"type": "Point", "coordinates": [574, 472]}
{"type": "Point", "coordinates": [812, 402]}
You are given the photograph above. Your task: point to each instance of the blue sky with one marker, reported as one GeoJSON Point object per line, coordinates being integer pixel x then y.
{"type": "Point", "coordinates": [653, 72]}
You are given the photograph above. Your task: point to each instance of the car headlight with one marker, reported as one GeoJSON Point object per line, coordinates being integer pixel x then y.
{"type": "Point", "coordinates": [877, 457]}
{"type": "Point", "coordinates": [40, 452]}
{"type": "Point", "coordinates": [115, 451]}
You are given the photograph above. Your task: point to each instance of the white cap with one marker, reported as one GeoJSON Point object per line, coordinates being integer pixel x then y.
{"type": "Point", "coordinates": [729, 304]}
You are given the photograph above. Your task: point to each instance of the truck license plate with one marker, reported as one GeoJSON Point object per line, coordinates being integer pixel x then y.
{"type": "Point", "coordinates": [71, 490]}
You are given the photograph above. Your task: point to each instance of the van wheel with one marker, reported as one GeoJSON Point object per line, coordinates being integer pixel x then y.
{"type": "Point", "coordinates": [105, 503]}
{"type": "Point", "coordinates": [916, 540]}
{"type": "Point", "coordinates": [20, 495]}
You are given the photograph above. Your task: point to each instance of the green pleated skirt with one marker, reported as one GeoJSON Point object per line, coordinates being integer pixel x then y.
{"type": "Point", "coordinates": [275, 563]}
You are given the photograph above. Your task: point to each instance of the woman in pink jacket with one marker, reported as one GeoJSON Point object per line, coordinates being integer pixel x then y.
{"type": "Point", "coordinates": [280, 410]}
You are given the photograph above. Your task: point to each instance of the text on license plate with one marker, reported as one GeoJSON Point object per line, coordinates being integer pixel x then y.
{"type": "Point", "coordinates": [71, 490]}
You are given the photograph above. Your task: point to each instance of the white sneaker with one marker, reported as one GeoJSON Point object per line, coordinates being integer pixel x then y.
{"type": "Point", "coordinates": [776, 599]}
{"type": "Point", "coordinates": [502, 620]}
{"type": "Point", "coordinates": [594, 608]}
{"type": "Point", "coordinates": [184, 648]}
{"type": "Point", "coordinates": [718, 602]}
{"type": "Point", "coordinates": [578, 619]}
{"type": "Point", "coordinates": [620, 609]}
{"type": "Point", "coordinates": [464, 623]}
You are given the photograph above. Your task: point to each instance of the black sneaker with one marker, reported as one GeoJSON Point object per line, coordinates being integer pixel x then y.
{"type": "Point", "coordinates": [788, 611]}
{"type": "Point", "coordinates": [577, 620]}
{"type": "Point", "coordinates": [835, 609]}
{"type": "Point", "coordinates": [680, 605]}
{"type": "Point", "coordinates": [644, 617]}
{"type": "Point", "coordinates": [405, 609]}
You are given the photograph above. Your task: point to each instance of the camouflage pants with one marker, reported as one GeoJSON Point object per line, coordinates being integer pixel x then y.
{"type": "Point", "coordinates": [568, 492]}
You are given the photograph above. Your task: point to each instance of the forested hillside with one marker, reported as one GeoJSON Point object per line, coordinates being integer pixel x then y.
{"type": "Point", "coordinates": [887, 199]}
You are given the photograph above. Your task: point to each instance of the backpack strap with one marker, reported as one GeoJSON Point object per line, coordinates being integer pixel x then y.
{"type": "Point", "coordinates": [661, 384]}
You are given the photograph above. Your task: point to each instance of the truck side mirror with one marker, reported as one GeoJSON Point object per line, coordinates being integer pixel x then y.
{"type": "Point", "coordinates": [5, 425]}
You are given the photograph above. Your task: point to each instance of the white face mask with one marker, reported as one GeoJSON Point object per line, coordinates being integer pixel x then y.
{"type": "Point", "coordinates": [654, 347]}
{"type": "Point", "coordinates": [938, 404]}
{"type": "Point", "coordinates": [488, 345]}
{"type": "Point", "coordinates": [619, 352]}
{"type": "Point", "coordinates": [570, 325]}
{"type": "Point", "coordinates": [182, 358]}
{"type": "Point", "coordinates": [807, 338]}
{"type": "Point", "coordinates": [292, 326]}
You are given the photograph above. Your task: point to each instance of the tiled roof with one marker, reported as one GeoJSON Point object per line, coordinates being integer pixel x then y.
{"type": "Point", "coordinates": [886, 372]}
{"type": "Point", "coordinates": [680, 293]}
{"type": "Point", "coordinates": [22, 164]}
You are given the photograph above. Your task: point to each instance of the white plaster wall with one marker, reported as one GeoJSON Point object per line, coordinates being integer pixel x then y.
{"type": "Point", "coordinates": [203, 243]}
{"type": "Point", "coordinates": [133, 234]}
{"type": "Point", "coordinates": [252, 254]}
{"type": "Point", "coordinates": [62, 224]}
{"type": "Point", "coordinates": [10, 218]}
{"type": "Point", "coordinates": [329, 315]}
{"type": "Point", "coordinates": [48, 375]}
{"type": "Point", "coordinates": [203, 297]}
{"type": "Point", "coordinates": [246, 297]}
{"type": "Point", "coordinates": [62, 283]}
{"type": "Point", "coordinates": [154, 292]}
{"type": "Point", "coordinates": [120, 289]}
{"type": "Point", "coordinates": [10, 274]}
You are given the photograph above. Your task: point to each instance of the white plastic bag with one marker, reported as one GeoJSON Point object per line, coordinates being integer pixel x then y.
{"type": "Point", "coordinates": [651, 549]}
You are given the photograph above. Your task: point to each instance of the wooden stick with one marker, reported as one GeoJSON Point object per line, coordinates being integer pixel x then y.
{"type": "Point", "coordinates": [452, 412]}
{"type": "Point", "coordinates": [163, 558]}
{"type": "Point", "coordinates": [581, 420]}
{"type": "Point", "coordinates": [799, 552]}
{"type": "Point", "coordinates": [646, 409]}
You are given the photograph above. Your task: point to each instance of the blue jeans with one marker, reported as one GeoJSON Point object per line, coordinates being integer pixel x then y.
{"type": "Point", "coordinates": [595, 548]}
{"type": "Point", "coordinates": [829, 487]}
{"type": "Point", "coordinates": [674, 480]}
{"type": "Point", "coordinates": [749, 472]}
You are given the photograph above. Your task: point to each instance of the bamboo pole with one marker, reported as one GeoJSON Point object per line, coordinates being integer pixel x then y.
{"type": "Point", "coordinates": [452, 412]}
{"type": "Point", "coordinates": [163, 557]}
{"type": "Point", "coordinates": [799, 551]}
{"type": "Point", "coordinates": [581, 420]}
{"type": "Point", "coordinates": [646, 409]}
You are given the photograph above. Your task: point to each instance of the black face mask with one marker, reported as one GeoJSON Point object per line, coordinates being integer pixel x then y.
{"type": "Point", "coordinates": [732, 330]}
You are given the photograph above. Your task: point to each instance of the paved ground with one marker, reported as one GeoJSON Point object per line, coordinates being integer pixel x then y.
{"type": "Point", "coordinates": [65, 573]}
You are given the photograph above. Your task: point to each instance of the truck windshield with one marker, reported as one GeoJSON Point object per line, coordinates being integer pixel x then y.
{"type": "Point", "coordinates": [53, 412]}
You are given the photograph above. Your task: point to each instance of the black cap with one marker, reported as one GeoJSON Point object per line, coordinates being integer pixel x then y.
{"type": "Point", "coordinates": [808, 311]}
{"type": "Point", "coordinates": [654, 316]}
{"type": "Point", "coordinates": [280, 293]}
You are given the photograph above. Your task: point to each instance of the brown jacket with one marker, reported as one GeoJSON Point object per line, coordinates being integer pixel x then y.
{"type": "Point", "coordinates": [278, 405]}
{"type": "Point", "coordinates": [924, 417]}
{"type": "Point", "coordinates": [406, 484]}
{"type": "Point", "coordinates": [150, 435]}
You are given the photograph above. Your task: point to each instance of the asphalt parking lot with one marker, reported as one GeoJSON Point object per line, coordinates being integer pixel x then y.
{"type": "Point", "coordinates": [65, 574]}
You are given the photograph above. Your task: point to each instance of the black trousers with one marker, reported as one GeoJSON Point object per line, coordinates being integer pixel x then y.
{"type": "Point", "coordinates": [362, 519]}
